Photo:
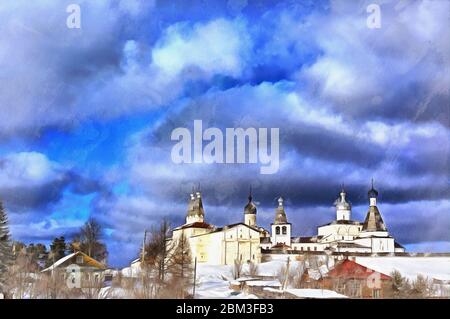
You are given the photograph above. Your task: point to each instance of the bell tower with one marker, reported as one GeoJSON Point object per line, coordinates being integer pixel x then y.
{"type": "Point", "coordinates": [281, 229]}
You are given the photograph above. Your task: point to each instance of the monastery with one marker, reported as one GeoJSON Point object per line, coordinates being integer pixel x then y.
{"type": "Point", "coordinates": [248, 242]}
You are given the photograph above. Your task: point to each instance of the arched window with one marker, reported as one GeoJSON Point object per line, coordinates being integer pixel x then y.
{"type": "Point", "coordinates": [284, 230]}
{"type": "Point", "coordinates": [277, 230]}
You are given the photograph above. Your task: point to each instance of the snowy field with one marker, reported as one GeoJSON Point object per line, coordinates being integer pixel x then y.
{"type": "Point", "coordinates": [410, 267]}
{"type": "Point", "coordinates": [213, 281]}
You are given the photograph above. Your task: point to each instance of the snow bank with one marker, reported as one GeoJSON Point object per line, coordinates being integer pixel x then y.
{"type": "Point", "coordinates": [113, 293]}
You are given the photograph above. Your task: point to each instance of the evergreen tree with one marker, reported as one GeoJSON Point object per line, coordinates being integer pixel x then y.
{"type": "Point", "coordinates": [6, 256]}
{"type": "Point", "coordinates": [57, 250]}
{"type": "Point", "coordinates": [400, 285]}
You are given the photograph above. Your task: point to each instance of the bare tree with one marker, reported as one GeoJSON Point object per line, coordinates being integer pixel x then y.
{"type": "Point", "coordinates": [237, 268]}
{"type": "Point", "coordinates": [299, 275]}
{"type": "Point", "coordinates": [181, 267]}
{"type": "Point", "coordinates": [158, 251]}
{"type": "Point", "coordinates": [252, 269]}
{"type": "Point", "coordinates": [90, 240]}
{"type": "Point", "coordinates": [92, 283]}
{"type": "Point", "coordinates": [285, 274]}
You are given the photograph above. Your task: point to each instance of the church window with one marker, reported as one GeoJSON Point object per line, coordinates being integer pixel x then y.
{"type": "Point", "coordinates": [277, 230]}
{"type": "Point", "coordinates": [284, 230]}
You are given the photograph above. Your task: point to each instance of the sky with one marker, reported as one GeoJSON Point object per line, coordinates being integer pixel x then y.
{"type": "Point", "coordinates": [87, 113]}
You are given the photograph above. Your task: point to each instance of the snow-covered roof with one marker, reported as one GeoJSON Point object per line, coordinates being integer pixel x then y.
{"type": "Point", "coordinates": [88, 260]}
{"type": "Point", "coordinates": [59, 262]}
{"type": "Point", "coordinates": [264, 283]}
{"type": "Point", "coordinates": [315, 293]}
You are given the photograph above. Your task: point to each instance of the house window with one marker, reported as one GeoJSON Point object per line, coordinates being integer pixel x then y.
{"type": "Point", "coordinates": [253, 256]}
{"type": "Point", "coordinates": [309, 248]}
{"type": "Point", "coordinates": [79, 259]}
{"type": "Point", "coordinates": [376, 293]}
{"type": "Point", "coordinates": [277, 230]}
{"type": "Point", "coordinates": [284, 230]}
{"type": "Point", "coordinates": [301, 248]}
{"type": "Point", "coordinates": [339, 286]}
{"type": "Point", "coordinates": [354, 288]}
{"type": "Point", "coordinates": [315, 248]}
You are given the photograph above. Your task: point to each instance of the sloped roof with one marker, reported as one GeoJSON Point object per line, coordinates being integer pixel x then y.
{"type": "Point", "coordinates": [397, 245]}
{"type": "Point", "coordinates": [373, 221]}
{"type": "Point", "coordinates": [195, 225]}
{"type": "Point", "coordinates": [312, 239]}
{"type": "Point", "coordinates": [226, 227]}
{"type": "Point", "coordinates": [350, 269]}
{"type": "Point", "coordinates": [86, 260]}
{"type": "Point", "coordinates": [342, 222]}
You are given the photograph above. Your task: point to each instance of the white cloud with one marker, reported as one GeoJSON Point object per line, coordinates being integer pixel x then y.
{"type": "Point", "coordinates": [217, 47]}
{"type": "Point", "coordinates": [27, 169]}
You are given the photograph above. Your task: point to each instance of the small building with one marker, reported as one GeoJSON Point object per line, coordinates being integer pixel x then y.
{"type": "Point", "coordinates": [91, 271]}
{"type": "Point", "coordinates": [356, 281]}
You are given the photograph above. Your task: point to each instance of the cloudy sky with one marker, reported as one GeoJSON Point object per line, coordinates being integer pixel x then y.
{"type": "Point", "coordinates": [87, 114]}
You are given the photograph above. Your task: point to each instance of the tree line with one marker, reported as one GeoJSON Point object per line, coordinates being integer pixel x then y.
{"type": "Point", "coordinates": [18, 260]}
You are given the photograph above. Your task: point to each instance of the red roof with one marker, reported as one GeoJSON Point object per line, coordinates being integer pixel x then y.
{"type": "Point", "coordinates": [350, 269]}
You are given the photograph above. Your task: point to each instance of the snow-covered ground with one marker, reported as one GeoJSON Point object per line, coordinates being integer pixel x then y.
{"type": "Point", "coordinates": [410, 267]}
{"type": "Point", "coordinates": [213, 281]}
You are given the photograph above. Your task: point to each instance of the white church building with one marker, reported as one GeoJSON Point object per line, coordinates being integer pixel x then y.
{"type": "Point", "coordinates": [247, 241]}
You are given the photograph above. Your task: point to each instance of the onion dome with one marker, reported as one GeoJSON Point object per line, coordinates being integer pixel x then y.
{"type": "Point", "coordinates": [250, 208]}
{"type": "Point", "coordinates": [372, 192]}
{"type": "Point", "coordinates": [341, 202]}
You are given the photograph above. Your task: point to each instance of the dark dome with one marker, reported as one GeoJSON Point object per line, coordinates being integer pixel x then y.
{"type": "Point", "coordinates": [372, 193]}
{"type": "Point", "coordinates": [250, 208]}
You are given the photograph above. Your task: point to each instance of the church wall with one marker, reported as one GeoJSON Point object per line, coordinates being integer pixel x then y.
{"type": "Point", "coordinates": [338, 232]}
{"type": "Point", "coordinates": [305, 247]}
{"type": "Point", "coordinates": [223, 247]}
